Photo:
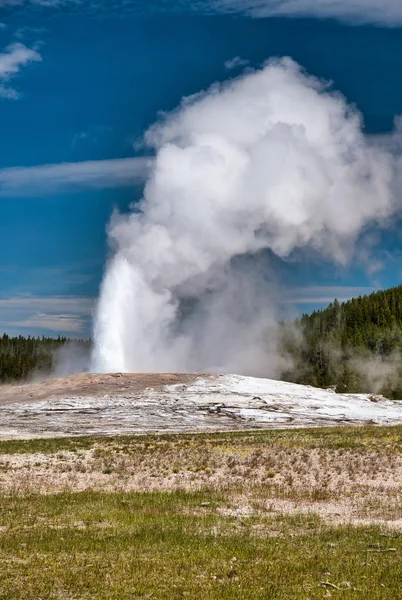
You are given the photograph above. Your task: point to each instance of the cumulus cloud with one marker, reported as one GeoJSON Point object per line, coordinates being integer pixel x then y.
{"type": "Point", "coordinates": [272, 161]}
{"type": "Point", "coordinates": [386, 12]}
{"type": "Point", "coordinates": [45, 179]}
{"type": "Point", "coordinates": [12, 59]}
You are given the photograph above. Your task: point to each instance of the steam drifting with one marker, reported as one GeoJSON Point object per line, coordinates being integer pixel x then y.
{"type": "Point", "coordinates": [271, 160]}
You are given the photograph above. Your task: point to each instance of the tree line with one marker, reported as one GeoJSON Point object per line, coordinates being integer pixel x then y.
{"type": "Point", "coordinates": [355, 346]}
{"type": "Point", "coordinates": [21, 358]}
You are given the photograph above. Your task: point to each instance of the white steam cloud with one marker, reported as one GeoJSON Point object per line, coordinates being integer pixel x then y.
{"type": "Point", "coordinates": [271, 160]}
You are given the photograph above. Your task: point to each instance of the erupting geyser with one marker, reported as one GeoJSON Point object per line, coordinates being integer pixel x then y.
{"type": "Point", "coordinates": [271, 160]}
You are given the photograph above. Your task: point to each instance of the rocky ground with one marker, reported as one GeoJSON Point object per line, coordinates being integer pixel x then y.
{"type": "Point", "coordinates": [117, 404]}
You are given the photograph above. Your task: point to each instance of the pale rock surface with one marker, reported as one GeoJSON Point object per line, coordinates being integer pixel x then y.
{"type": "Point", "coordinates": [160, 403]}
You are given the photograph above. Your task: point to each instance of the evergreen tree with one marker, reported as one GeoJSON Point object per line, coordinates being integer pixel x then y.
{"type": "Point", "coordinates": [21, 358]}
{"type": "Point", "coordinates": [331, 346]}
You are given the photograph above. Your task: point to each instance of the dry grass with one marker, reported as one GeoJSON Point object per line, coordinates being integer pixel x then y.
{"type": "Point", "coordinates": [345, 476]}
{"type": "Point", "coordinates": [287, 515]}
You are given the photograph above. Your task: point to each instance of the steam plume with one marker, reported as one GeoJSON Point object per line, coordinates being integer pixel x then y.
{"type": "Point", "coordinates": [271, 160]}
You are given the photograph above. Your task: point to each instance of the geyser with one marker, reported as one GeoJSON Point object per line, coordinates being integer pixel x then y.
{"type": "Point", "coordinates": [270, 160]}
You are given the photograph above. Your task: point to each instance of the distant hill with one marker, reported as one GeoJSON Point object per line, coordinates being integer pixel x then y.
{"type": "Point", "coordinates": [355, 346]}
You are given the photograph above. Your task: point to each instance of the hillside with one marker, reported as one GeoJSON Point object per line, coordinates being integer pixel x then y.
{"type": "Point", "coordinates": [355, 346]}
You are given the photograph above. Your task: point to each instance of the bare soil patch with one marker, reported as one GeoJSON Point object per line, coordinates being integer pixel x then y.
{"type": "Point", "coordinates": [88, 384]}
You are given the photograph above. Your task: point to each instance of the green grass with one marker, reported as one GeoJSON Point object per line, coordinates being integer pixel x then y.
{"type": "Point", "coordinates": [379, 438]}
{"type": "Point", "coordinates": [173, 545]}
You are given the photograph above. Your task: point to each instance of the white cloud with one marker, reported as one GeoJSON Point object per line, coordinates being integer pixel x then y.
{"type": "Point", "coordinates": [43, 179]}
{"type": "Point", "coordinates": [24, 32]}
{"type": "Point", "coordinates": [44, 3]}
{"type": "Point", "coordinates": [57, 314]}
{"type": "Point", "coordinates": [325, 294]}
{"type": "Point", "coordinates": [236, 63]}
{"type": "Point", "coordinates": [82, 305]}
{"type": "Point", "coordinates": [383, 12]}
{"type": "Point", "coordinates": [12, 59]}
{"type": "Point", "coordinates": [54, 323]}
{"type": "Point", "coordinates": [16, 56]}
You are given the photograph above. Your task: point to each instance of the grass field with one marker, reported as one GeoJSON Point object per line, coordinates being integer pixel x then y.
{"type": "Point", "coordinates": [299, 514]}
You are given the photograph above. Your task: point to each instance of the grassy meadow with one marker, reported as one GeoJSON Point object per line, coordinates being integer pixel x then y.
{"type": "Point", "coordinates": [297, 514]}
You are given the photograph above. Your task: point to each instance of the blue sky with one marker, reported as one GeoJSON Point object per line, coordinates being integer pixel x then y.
{"type": "Point", "coordinates": [80, 83]}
